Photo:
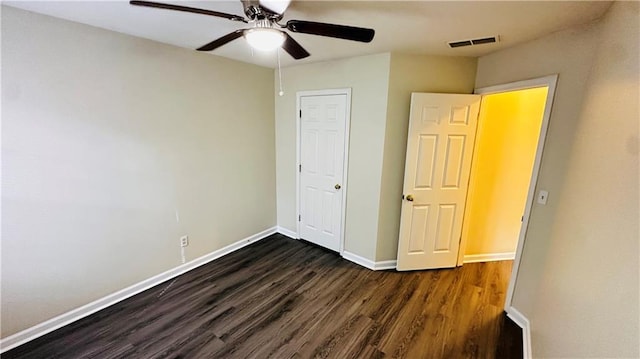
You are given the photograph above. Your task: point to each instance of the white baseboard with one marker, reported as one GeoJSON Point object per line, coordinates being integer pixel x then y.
{"type": "Point", "coordinates": [489, 257]}
{"type": "Point", "coordinates": [367, 263]}
{"type": "Point", "coordinates": [359, 260]}
{"type": "Point", "coordinates": [382, 265]}
{"type": "Point", "coordinates": [52, 324]}
{"type": "Point", "coordinates": [286, 232]}
{"type": "Point", "coordinates": [523, 323]}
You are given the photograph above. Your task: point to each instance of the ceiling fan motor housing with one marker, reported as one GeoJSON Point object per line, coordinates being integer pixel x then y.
{"type": "Point", "coordinates": [254, 11]}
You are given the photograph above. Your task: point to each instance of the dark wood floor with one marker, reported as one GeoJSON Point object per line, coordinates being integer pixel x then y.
{"type": "Point", "coordinates": [283, 298]}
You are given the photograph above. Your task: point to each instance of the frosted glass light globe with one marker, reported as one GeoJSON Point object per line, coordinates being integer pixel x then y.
{"type": "Point", "coordinates": [264, 39]}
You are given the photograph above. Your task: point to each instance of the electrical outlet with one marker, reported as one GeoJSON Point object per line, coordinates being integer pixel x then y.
{"type": "Point", "coordinates": [184, 241]}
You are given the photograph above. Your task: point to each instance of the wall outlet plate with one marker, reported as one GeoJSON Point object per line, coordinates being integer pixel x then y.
{"type": "Point", "coordinates": [184, 241]}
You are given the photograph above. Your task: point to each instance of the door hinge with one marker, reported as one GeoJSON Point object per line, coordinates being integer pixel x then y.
{"type": "Point", "coordinates": [300, 168]}
{"type": "Point", "coordinates": [300, 113]}
{"type": "Point", "coordinates": [299, 218]}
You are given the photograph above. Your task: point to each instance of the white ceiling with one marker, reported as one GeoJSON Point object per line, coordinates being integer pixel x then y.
{"type": "Point", "coordinates": [421, 27]}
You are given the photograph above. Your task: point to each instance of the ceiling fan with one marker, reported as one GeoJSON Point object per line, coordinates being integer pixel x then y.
{"type": "Point", "coordinates": [266, 32]}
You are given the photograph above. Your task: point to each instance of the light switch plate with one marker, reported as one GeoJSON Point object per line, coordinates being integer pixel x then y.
{"type": "Point", "coordinates": [542, 196]}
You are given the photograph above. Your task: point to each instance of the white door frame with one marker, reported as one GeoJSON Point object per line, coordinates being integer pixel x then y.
{"type": "Point", "coordinates": [329, 92]}
{"type": "Point", "coordinates": [550, 82]}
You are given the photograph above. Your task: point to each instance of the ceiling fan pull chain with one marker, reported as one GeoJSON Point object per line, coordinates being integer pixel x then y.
{"type": "Point", "coordinates": [279, 73]}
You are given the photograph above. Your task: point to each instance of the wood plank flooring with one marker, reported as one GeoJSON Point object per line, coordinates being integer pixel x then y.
{"type": "Point", "coordinates": [282, 298]}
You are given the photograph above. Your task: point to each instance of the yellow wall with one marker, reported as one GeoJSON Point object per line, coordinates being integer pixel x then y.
{"type": "Point", "coordinates": [509, 126]}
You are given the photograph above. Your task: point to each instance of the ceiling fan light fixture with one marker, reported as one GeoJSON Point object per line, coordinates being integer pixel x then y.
{"type": "Point", "coordinates": [266, 33]}
{"type": "Point", "coordinates": [264, 39]}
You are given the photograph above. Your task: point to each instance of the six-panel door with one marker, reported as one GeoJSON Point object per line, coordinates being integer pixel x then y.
{"type": "Point", "coordinates": [322, 140]}
{"type": "Point", "coordinates": [440, 143]}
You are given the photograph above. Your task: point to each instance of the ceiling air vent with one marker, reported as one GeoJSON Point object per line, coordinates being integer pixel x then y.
{"type": "Point", "coordinates": [460, 43]}
{"type": "Point", "coordinates": [484, 40]}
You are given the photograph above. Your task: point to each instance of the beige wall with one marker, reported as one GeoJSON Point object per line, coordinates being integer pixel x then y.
{"type": "Point", "coordinates": [381, 89]}
{"type": "Point", "coordinates": [578, 279]}
{"type": "Point", "coordinates": [507, 138]}
{"type": "Point", "coordinates": [410, 73]}
{"type": "Point", "coordinates": [104, 138]}
{"type": "Point", "coordinates": [367, 76]}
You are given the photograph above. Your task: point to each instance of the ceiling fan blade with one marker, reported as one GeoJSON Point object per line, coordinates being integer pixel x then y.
{"type": "Point", "coordinates": [221, 41]}
{"type": "Point", "coordinates": [294, 49]}
{"type": "Point", "coordinates": [188, 9]}
{"type": "Point", "coordinates": [331, 30]}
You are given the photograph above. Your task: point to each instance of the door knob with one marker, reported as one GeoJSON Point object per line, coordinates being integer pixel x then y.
{"type": "Point", "coordinates": [337, 186]}
{"type": "Point", "coordinates": [409, 198]}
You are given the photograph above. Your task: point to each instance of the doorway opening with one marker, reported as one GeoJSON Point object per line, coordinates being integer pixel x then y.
{"type": "Point", "coordinates": [509, 126]}
{"type": "Point", "coordinates": [513, 123]}
{"type": "Point", "coordinates": [518, 100]}
{"type": "Point", "coordinates": [440, 153]}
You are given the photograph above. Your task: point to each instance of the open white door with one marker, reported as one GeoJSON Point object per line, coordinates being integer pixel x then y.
{"type": "Point", "coordinates": [442, 130]}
